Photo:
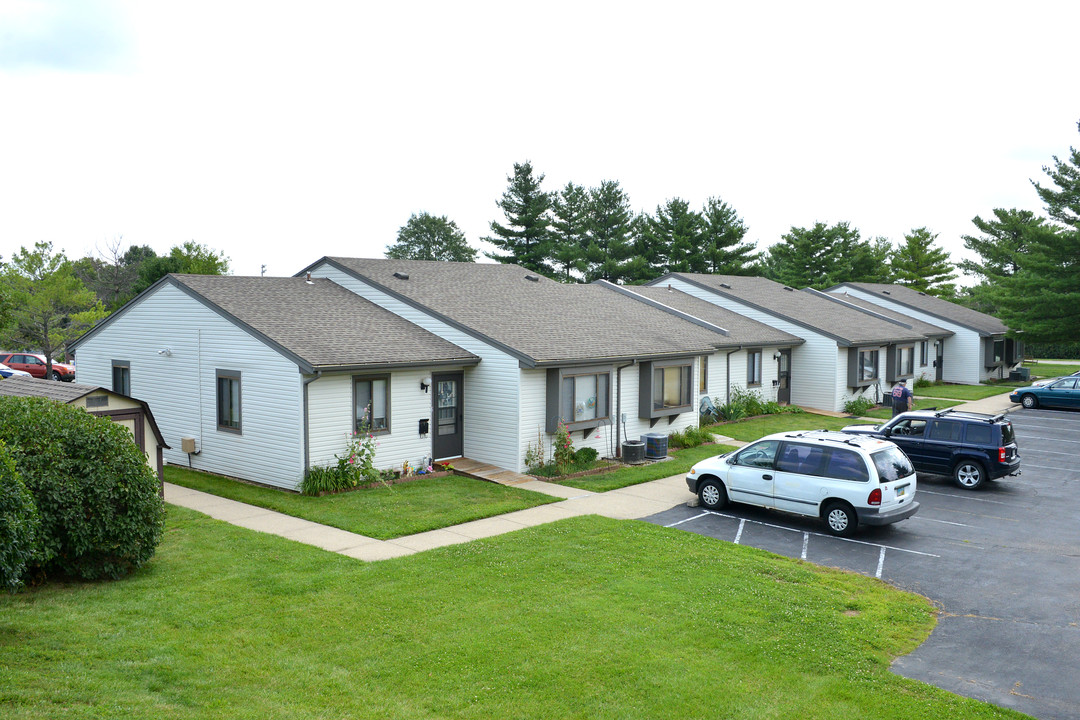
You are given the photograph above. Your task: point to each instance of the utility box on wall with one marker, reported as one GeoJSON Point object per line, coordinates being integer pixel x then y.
{"type": "Point", "coordinates": [189, 445]}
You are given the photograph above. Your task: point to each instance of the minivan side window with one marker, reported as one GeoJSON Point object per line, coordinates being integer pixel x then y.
{"type": "Point", "coordinates": [802, 459]}
{"type": "Point", "coordinates": [846, 465]}
{"type": "Point", "coordinates": [759, 454]}
{"type": "Point", "coordinates": [945, 430]}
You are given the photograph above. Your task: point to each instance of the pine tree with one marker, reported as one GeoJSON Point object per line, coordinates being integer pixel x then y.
{"type": "Point", "coordinates": [570, 231]}
{"type": "Point", "coordinates": [1063, 204]}
{"type": "Point", "coordinates": [1003, 241]}
{"type": "Point", "coordinates": [526, 238]}
{"type": "Point", "coordinates": [823, 256]}
{"type": "Point", "coordinates": [722, 243]}
{"type": "Point", "coordinates": [918, 264]}
{"type": "Point", "coordinates": [671, 239]}
{"type": "Point", "coordinates": [609, 248]}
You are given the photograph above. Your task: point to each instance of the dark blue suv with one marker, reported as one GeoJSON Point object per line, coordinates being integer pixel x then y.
{"type": "Point", "coordinates": [972, 447]}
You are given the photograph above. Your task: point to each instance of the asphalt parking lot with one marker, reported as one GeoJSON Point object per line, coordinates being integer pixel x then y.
{"type": "Point", "coordinates": [1002, 564]}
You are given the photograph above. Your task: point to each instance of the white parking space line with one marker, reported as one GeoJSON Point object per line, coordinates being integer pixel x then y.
{"type": "Point", "coordinates": [701, 515]}
{"type": "Point", "coordinates": [1058, 440]}
{"type": "Point", "coordinates": [962, 497]}
{"type": "Point", "coordinates": [880, 563]}
{"type": "Point", "coordinates": [805, 542]}
{"type": "Point", "coordinates": [944, 522]}
{"type": "Point", "coordinates": [743, 521]}
{"type": "Point", "coordinates": [1047, 467]}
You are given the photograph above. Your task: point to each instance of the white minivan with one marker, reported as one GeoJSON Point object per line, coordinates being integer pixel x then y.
{"type": "Point", "coordinates": [845, 480]}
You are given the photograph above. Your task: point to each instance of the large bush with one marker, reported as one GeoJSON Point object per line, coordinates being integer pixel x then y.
{"type": "Point", "coordinates": [101, 515]}
{"type": "Point", "coordinates": [19, 524]}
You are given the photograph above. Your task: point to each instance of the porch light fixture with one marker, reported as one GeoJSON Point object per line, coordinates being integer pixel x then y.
{"type": "Point", "coordinates": [425, 383]}
{"type": "Point", "coordinates": [776, 356]}
{"type": "Point", "coordinates": [165, 351]}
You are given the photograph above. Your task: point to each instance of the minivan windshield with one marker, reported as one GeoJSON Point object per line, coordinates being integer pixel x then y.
{"type": "Point", "coordinates": [892, 464]}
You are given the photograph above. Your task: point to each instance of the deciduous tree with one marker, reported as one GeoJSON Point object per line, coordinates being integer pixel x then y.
{"type": "Point", "coordinates": [427, 237]}
{"type": "Point", "coordinates": [191, 258]}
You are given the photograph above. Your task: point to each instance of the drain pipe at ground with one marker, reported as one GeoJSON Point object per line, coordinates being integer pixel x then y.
{"type": "Point", "coordinates": [307, 434]}
{"type": "Point", "coordinates": [618, 405]}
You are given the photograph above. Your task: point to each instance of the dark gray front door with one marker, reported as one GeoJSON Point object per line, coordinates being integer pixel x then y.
{"type": "Point", "coordinates": [447, 412]}
{"type": "Point", "coordinates": [783, 374]}
{"type": "Point", "coordinates": [939, 360]}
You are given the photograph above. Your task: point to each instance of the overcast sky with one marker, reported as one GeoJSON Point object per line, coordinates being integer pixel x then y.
{"type": "Point", "coordinates": [281, 132]}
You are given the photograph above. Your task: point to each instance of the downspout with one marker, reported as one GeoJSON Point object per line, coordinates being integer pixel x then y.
{"type": "Point", "coordinates": [307, 435]}
{"type": "Point", "coordinates": [618, 405]}
{"type": "Point", "coordinates": [727, 361]}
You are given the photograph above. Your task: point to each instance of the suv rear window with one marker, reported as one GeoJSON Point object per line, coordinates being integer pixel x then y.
{"type": "Point", "coordinates": [978, 434]}
{"type": "Point", "coordinates": [892, 464]}
{"type": "Point", "coordinates": [1007, 435]}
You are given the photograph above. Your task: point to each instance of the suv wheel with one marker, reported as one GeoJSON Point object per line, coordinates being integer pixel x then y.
{"type": "Point", "coordinates": [712, 495]}
{"type": "Point", "coordinates": [1029, 401]}
{"type": "Point", "coordinates": [56, 375]}
{"type": "Point", "coordinates": [969, 474]}
{"type": "Point", "coordinates": [840, 519]}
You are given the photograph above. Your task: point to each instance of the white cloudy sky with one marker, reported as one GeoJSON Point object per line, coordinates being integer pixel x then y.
{"type": "Point", "coordinates": [280, 132]}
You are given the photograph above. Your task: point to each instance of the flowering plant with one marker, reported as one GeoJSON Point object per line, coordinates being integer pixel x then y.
{"type": "Point", "coordinates": [563, 450]}
{"type": "Point", "coordinates": [357, 464]}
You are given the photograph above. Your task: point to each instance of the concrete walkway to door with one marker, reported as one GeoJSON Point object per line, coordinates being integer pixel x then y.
{"type": "Point", "coordinates": [635, 501]}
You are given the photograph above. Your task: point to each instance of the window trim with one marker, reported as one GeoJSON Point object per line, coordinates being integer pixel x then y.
{"type": "Point", "coordinates": [122, 365]}
{"type": "Point", "coordinates": [924, 353]}
{"type": "Point", "coordinates": [703, 381]}
{"type": "Point", "coordinates": [855, 365]}
{"type": "Point", "coordinates": [553, 407]}
{"type": "Point", "coordinates": [369, 379]}
{"type": "Point", "coordinates": [234, 376]}
{"type": "Point", "coordinates": [755, 368]}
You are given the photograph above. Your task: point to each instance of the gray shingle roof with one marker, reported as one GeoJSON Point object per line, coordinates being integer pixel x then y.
{"type": "Point", "coordinates": [848, 326]}
{"type": "Point", "coordinates": [19, 386]}
{"type": "Point", "coordinates": [924, 327]}
{"type": "Point", "coordinates": [966, 317]}
{"type": "Point", "coordinates": [322, 323]}
{"type": "Point", "coordinates": [541, 321]}
{"type": "Point", "coordinates": [741, 329]}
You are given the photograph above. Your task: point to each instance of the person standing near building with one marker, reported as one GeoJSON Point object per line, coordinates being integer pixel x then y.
{"type": "Point", "coordinates": [902, 398]}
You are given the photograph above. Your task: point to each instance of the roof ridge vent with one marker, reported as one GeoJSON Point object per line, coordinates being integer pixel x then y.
{"type": "Point", "coordinates": [401, 275]}
{"type": "Point", "coordinates": [532, 278]}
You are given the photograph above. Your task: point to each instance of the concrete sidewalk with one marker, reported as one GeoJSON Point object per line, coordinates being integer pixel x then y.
{"type": "Point", "coordinates": [636, 501]}
{"type": "Point", "coordinates": [629, 503]}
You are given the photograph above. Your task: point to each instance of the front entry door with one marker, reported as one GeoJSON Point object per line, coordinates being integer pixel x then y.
{"type": "Point", "coordinates": [939, 361]}
{"type": "Point", "coordinates": [447, 411]}
{"type": "Point", "coordinates": [783, 375]}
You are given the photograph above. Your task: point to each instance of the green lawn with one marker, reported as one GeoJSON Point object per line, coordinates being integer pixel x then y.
{"type": "Point", "coordinates": [965, 392]}
{"type": "Point", "coordinates": [754, 428]}
{"type": "Point", "coordinates": [1053, 369]}
{"type": "Point", "coordinates": [584, 618]}
{"type": "Point", "coordinates": [681, 461]}
{"type": "Point", "coordinates": [381, 512]}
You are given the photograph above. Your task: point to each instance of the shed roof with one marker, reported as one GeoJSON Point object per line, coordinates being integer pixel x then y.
{"type": "Point", "coordinates": [536, 319]}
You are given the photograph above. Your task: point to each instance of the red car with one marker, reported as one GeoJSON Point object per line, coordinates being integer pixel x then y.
{"type": "Point", "coordinates": [34, 364]}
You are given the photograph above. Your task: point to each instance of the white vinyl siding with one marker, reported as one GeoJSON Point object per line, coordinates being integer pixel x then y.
{"type": "Point", "coordinates": [330, 417]}
{"type": "Point", "coordinates": [180, 386]}
{"type": "Point", "coordinates": [813, 364]}
{"type": "Point", "coordinates": [492, 428]}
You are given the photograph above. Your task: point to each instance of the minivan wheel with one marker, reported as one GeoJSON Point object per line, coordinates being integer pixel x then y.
{"type": "Point", "coordinates": [969, 474]}
{"type": "Point", "coordinates": [840, 519]}
{"type": "Point", "coordinates": [1029, 401]}
{"type": "Point", "coordinates": [712, 494]}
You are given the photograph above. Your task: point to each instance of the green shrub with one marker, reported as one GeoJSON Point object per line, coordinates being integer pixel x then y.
{"type": "Point", "coordinates": [731, 411]}
{"type": "Point", "coordinates": [858, 406]}
{"type": "Point", "coordinates": [690, 437]}
{"type": "Point", "coordinates": [101, 514]}
{"type": "Point", "coordinates": [585, 455]}
{"type": "Point", "coordinates": [19, 524]}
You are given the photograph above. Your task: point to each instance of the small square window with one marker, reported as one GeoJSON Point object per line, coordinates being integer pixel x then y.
{"type": "Point", "coordinates": [121, 377]}
{"type": "Point", "coordinates": [228, 400]}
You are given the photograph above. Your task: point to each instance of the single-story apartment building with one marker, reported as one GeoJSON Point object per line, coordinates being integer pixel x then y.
{"type": "Point", "coordinates": [979, 348]}
{"type": "Point", "coordinates": [846, 350]}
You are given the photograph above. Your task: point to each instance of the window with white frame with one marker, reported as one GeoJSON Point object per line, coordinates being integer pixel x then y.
{"type": "Point", "coordinates": [753, 367]}
{"type": "Point", "coordinates": [924, 353]}
{"type": "Point", "coordinates": [371, 403]}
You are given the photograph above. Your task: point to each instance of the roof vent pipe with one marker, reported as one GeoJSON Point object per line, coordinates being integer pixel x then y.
{"type": "Point", "coordinates": [308, 279]}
